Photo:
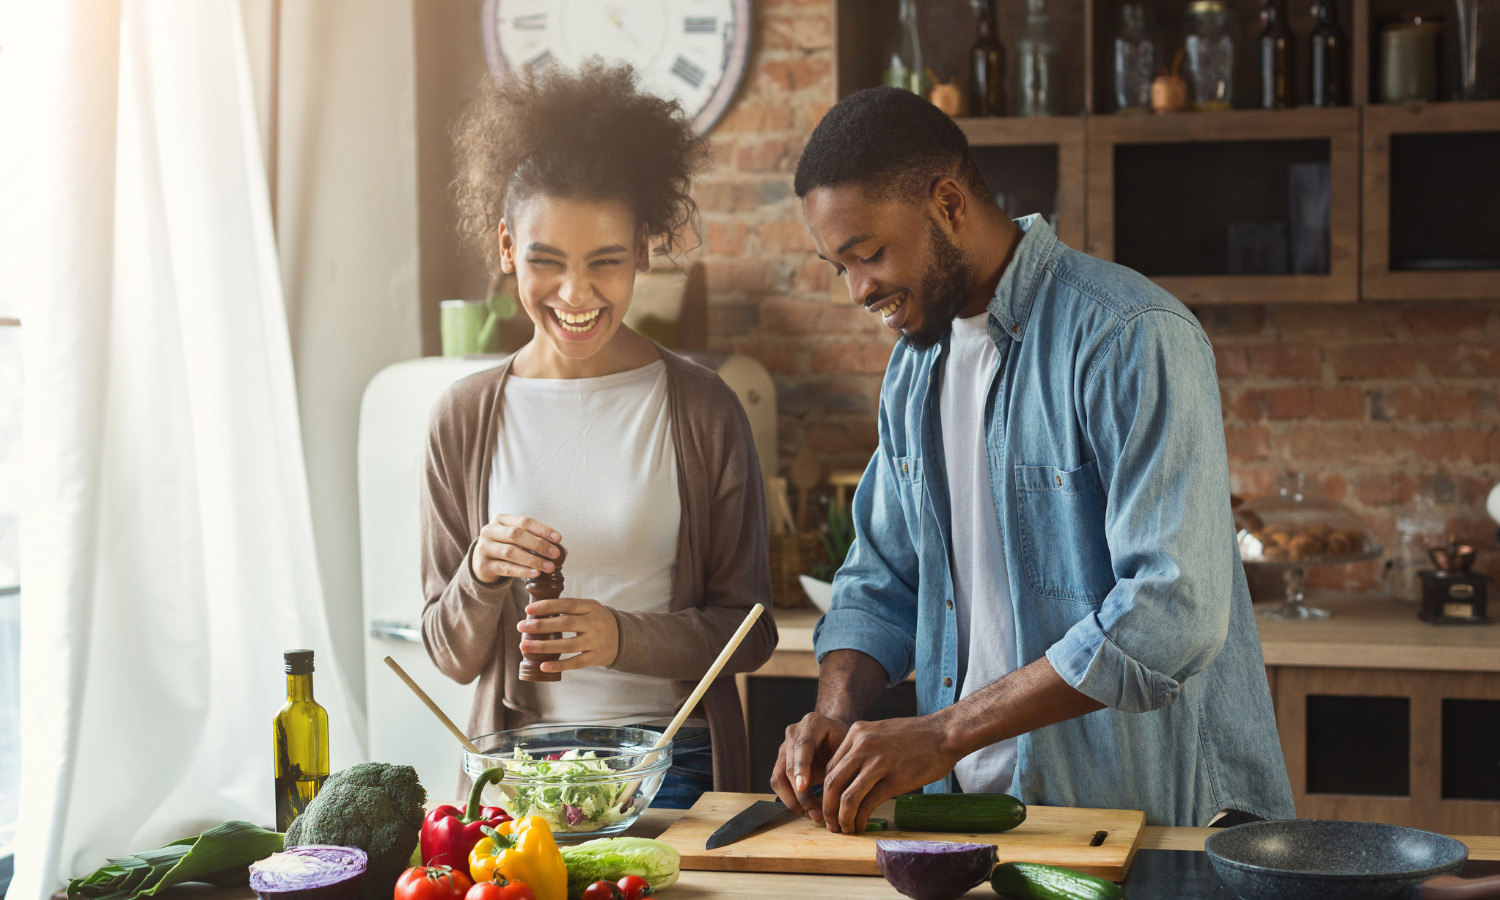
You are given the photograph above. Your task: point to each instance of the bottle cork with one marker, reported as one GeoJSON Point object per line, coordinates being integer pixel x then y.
{"type": "Point", "coordinates": [546, 586]}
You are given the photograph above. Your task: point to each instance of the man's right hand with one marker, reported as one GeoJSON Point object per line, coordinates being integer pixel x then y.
{"type": "Point", "coordinates": [802, 762]}
{"type": "Point", "coordinates": [514, 547]}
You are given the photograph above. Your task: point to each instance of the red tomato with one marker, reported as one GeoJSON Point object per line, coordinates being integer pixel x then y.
{"type": "Point", "coordinates": [500, 889]}
{"type": "Point", "coordinates": [634, 887]}
{"type": "Point", "coordinates": [603, 890]}
{"type": "Point", "coordinates": [432, 883]}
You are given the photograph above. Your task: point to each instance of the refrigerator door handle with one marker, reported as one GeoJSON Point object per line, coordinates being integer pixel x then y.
{"type": "Point", "coordinates": [391, 630]}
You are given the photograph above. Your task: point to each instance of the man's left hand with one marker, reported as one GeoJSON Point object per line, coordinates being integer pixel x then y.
{"type": "Point", "coordinates": [877, 761]}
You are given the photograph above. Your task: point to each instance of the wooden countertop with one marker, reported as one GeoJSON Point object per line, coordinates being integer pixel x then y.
{"type": "Point", "coordinates": [715, 885]}
{"type": "Point", "coordinates": [1366, 631]}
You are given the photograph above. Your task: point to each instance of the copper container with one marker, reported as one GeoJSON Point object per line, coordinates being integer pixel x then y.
{"type": "Point", "coordinates": [1452, 556]}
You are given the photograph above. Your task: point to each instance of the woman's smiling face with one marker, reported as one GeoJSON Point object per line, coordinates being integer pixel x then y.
{"type": "Point", "coordinates": [575, 263]}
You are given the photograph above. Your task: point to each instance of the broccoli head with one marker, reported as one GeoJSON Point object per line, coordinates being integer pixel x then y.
{"type": "Point", "coordinates": [373, 806]}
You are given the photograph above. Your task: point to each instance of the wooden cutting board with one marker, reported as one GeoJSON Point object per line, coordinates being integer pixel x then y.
{"type": "Point", "coordinates": [1057, 835]}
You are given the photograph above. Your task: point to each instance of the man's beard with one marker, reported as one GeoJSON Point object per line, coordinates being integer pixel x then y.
{"type": "Point", "coordinates": [946, 287]}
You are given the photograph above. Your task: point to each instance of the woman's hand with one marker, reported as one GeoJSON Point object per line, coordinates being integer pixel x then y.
{"type": "Point", "coordinates": [514, 547]}
{"type": "Point", "coordinates": [596, 637]}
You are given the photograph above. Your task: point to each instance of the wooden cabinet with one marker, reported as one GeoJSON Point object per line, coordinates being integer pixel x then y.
{"type": "Point", "coordinates": [1166, 192]}
{"type": "Point", "coordinates": [1417, 246]}
{"type": "Point", "coordinates": [1411, 211]}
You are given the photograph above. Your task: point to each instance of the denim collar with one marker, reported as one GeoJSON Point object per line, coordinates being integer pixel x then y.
{"type": "Point", "coordinates": [1011, 305]}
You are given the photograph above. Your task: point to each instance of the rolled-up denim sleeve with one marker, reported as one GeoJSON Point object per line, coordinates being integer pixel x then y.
{"type": "Point", "coordinates": [1154, 421]}
{"type": "Point", "coordinates": [874, 606]}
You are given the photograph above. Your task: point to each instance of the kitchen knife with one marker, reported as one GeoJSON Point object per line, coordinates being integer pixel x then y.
{"type": "Point", "coordinates": [758, 815]}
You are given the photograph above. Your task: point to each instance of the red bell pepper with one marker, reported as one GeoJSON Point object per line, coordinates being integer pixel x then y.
{"type": "Point", "coordinates": [449, 833]}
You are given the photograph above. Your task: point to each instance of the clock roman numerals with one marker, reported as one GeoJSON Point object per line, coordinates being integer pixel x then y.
{"type": "Point", "coordinates": [700, 24]}
{"type": "Point", "coordinates": [540, 60]}
{"type": "Point", "coordinates": [533, 22]}
{"type": "Point", "coordinates": [688, 71]}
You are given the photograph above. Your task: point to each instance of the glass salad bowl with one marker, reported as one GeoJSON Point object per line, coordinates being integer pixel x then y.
{"type": "Point", "coordinates": [1293, 531]}
{"type": "Point", "coordinates": [586, 781]}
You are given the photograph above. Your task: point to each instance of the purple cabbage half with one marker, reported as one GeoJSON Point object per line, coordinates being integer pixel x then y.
{"type": "Point", "coordinates": [934, 870]}
{"type": "Point", "coordinates": [310, 872]}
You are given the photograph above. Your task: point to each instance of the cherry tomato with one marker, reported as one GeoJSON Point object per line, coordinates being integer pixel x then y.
{"type": "Point", "coordinates": [634, 887]}
{"type": "Point", "coordinates": [500, 889]}
{"type": "Point", "coordinates": [603, 890]}
{"type": "Point", "coordinates": [432, 883]}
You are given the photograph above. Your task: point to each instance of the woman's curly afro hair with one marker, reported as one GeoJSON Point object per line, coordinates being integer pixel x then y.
{"type": "Point", "coordinates": [589, 133]}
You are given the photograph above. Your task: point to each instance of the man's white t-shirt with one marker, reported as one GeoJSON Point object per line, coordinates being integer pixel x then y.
{"type": "Point", "coordinates": [981, 591]}
{"type": "Point", "coordinates": [594, 459]}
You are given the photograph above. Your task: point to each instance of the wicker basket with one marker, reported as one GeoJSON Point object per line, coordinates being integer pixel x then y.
{"type": "Point", "coordinates": [793, 555]}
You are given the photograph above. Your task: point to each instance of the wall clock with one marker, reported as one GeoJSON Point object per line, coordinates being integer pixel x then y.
{"type": "Point", "coordinates": [692, 51]}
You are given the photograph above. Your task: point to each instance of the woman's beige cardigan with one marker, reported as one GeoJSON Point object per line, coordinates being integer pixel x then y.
{"type": "Point", "coordinates": [469, 627]}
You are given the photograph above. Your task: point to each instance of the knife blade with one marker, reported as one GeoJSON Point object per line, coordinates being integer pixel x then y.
{"type": "Point", "coordinates": [755, 817]}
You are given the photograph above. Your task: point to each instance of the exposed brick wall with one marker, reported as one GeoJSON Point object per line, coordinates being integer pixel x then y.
{"type": "Point", "coordinates": [1374, 401]}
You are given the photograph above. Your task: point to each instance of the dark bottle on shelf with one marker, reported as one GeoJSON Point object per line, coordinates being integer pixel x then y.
{"type": "Point", "coordinates": [1328, 56]}
{"type": "Point", "coordinates": [1278, 60]}
{"type": "Point", "coordinates": [986, 65]}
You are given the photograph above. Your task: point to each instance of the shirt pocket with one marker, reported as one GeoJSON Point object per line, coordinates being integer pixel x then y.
{"type": "Point", "coordinates": [1063, 549]}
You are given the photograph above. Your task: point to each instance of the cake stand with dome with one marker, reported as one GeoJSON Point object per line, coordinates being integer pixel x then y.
{"type": "Point", "coordinates": [1290, 531]}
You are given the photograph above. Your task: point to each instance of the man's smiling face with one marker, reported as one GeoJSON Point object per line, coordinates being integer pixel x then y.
{"type": "Point", "coordinates": [896, 256]}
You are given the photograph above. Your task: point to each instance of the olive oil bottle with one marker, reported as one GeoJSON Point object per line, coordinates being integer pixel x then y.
{"type": "Point", "coordinates": [301, 734]}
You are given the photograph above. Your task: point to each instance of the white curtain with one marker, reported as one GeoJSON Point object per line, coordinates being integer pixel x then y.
{"type": "Point", "coordinates": [167, 551]}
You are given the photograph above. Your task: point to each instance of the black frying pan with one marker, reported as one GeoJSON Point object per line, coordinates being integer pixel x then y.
{"type": "Point", "coordinates": [1314, 859]}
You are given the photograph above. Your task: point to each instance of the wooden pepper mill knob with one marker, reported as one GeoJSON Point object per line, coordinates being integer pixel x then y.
{"type": "Point", "coordinates": [546, 586]}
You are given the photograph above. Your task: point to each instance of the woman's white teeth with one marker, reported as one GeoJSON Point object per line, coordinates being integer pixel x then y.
{"type": "Point", "coordinates": [577, 323]}
{"type": "Point", "coordinates": [891, 310]}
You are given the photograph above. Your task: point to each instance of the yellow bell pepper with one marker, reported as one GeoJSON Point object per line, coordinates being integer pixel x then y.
{"type": "Point", "coordinates": [522, 850]}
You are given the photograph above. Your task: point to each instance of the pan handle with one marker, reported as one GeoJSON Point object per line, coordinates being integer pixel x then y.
{"type": "Point", "coordinates": [1449, 887]}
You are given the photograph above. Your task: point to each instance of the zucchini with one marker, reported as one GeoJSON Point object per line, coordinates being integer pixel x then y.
{"type": "Point", "coordinates": [1034, 881]}
{"type": "Point", "coordinates": [971, 813]}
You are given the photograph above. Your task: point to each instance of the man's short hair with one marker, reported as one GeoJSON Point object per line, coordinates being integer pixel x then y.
{"type": "Point", "coordinates": [890, 141]}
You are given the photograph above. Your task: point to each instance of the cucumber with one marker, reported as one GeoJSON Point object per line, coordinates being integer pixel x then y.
{"type": "Point", "coordinates": [1034, 881]}
{"type": "Point", "coordinates": [971, 813]}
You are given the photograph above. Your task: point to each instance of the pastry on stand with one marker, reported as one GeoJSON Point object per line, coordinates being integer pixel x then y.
{"type": "Point", "coordinates": [1292, 532]}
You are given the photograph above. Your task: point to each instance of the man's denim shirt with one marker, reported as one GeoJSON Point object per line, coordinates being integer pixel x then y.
{"type": "Point", "coordinates": [1105, 446]}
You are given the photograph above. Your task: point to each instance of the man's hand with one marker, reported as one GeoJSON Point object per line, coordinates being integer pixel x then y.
{"type": "Point", "coordinates": [803, 759]}
{"type": "Point", "coordinates": [877, 761]}
{"type": "Point", "coordinates": [596, 632]}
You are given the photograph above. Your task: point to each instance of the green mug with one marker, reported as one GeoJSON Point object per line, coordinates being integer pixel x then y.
{"type": "Point", "coordinates": [467, 326]}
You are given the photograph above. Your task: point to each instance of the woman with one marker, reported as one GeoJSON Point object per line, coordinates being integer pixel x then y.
{"type": "Point", "coordinates": [594, 439]}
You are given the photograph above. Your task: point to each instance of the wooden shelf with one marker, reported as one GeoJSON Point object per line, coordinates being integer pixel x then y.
{"type": "Point", "coordinates": [1339, 127]}
{"type": "Point", "coordinates": [1382, 122]}
{"type": "Point", "coordinates": [1358, 140]}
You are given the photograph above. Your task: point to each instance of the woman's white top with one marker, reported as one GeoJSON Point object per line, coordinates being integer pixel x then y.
{"type": "Point", "coordinates": [593, 458]}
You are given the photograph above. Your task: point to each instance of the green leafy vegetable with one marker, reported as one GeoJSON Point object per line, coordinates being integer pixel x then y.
{"type": "Point", "coordinates": [610, 859]}
{"type": "Point", "coordinates": [575, 792]}
{"type": "Point", "coordinates": [220, 856]}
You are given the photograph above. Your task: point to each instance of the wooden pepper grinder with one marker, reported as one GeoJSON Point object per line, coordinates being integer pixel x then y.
{"type": "Point", "coordinates": [546, 586]}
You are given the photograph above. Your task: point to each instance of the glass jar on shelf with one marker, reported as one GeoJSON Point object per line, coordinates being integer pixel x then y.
{"type": "Point", "coordinates": [906, 68]}
{"type": "Point", "coordinates": [1136, 57]}
{"type": "Point", "coordinates": [1292, 531]}
{"type": "Point", "coordinates": [1210, 55]}
{"type": "Point", "coordinates": [1035, 79]}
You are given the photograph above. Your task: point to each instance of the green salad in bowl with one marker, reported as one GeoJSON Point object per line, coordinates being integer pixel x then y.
{"type": "Point", "coordinates": [586, 780]}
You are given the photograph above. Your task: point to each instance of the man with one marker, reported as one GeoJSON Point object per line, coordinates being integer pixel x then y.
{"type": "Point", "coordinates": [1044, 533]}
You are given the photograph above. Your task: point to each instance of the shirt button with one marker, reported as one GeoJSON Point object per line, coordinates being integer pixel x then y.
{"type": "Point", "coordinates": [1015, 328]}
{"type": "Point", "coordinates": [905, 469]}
{"type": "Point", "coordinates": [947, 682]}
{"type": "Point", "coordinates": [950, 604]}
